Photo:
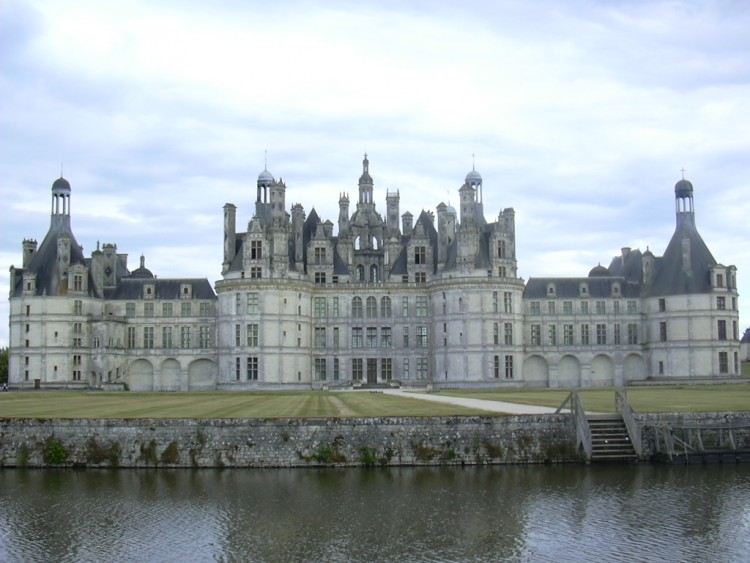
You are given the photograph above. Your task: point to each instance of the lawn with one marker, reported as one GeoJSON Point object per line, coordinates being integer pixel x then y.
{"type": "Point", "coordinates": [678, 398]}
{"type": "Point", "coordinates": [282, 404]}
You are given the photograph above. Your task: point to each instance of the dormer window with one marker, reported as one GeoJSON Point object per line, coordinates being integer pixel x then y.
{"type": "Point", "coordinates": [551, 289]}
{"type": "Point", "coordinates": [186, 291]}
{"type": "Point", "coordinates": [584, 289]}
{"type": "Point", "coordinates": [149, 291]}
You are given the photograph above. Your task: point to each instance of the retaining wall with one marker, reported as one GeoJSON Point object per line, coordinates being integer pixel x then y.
{"type": "Point", "coordinates": [287, 442]}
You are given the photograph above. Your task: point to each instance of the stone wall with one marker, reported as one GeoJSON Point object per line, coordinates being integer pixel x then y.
{"type": "Point", "coordinates": [286, 442]}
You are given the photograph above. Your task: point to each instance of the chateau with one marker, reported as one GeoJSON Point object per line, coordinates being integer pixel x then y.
{"type": "Point", "coordinates": [428, 300]}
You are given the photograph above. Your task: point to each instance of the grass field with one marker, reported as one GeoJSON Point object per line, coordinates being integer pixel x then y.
{"type": "Point", "coordinates": [316, 404]}
{"type": "Point", "coordinates": [282, 404]}
{"type": "Point", "coordinates": [680, 398]}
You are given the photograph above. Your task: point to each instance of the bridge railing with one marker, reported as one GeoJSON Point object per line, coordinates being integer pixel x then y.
{"type": "Point", "coordinates": [622, 406]}
{"type": "Point", "coordinates": [583, 431]}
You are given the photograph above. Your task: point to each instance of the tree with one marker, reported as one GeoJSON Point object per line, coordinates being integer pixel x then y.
{"type": "Point", "coordinates": [3, 365]}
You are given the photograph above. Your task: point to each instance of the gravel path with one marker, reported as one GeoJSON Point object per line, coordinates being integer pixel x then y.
{"type": "Point", "coordinates": [484, 404]}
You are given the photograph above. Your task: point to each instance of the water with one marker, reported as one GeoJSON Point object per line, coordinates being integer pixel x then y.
{"type": "Point", "coordinates": [565, 513]}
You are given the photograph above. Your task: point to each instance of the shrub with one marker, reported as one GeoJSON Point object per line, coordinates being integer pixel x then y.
{"type": "Point", "coordinates": [54, 453]}
{"type": "Point", "coordinates": [368, 456]}
{"type": "Point", "coordinates": [22, 455]}
{"type": "Point", "coordinates": [148, 453]}
{"type": "Point", "coordinates": [171, 453]}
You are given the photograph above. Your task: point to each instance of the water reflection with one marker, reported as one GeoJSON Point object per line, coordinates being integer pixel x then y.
{"type": "Point", "coordinates": [567, 513]}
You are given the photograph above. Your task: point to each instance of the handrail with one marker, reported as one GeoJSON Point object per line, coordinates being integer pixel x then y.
{"type": "Point", "coordinates": [622, 406]}
{"type": "Point", "coordinates": [583, 431]}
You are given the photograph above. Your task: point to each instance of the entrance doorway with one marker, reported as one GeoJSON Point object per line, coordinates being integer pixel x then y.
{"type": "Point", "coordinates": [372, 370]}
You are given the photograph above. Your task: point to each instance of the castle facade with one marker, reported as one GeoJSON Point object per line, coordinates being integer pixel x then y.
{"type": "Point", "coordinates": [433, 300]}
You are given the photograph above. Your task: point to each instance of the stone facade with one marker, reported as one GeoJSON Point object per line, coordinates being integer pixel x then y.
{"type": "Point", "coordinates": [434, 300]}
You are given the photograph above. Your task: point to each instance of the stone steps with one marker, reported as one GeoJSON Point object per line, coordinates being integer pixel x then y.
{"type": "Point", "coordinates": [609, 439]}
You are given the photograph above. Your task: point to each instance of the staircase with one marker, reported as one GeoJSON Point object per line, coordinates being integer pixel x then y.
{"type": "Point", "coordinates": [609, 438]}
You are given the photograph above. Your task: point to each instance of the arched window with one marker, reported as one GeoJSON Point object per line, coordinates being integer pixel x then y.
{"type": "Point", "coordinates": [374, 243]}
{"type": "Point", "coordinates": [372, 307]}
{"type": "Point", "coordinates": [357, 307]}
{"type": "Point", "coordinates": [356, 243]}
{"type": "Point", "coordinates": [385, 307]}
{"type": "Point", "coordinates": [360, 273]}
{"type": "Point", "coordinates": [374, 273]}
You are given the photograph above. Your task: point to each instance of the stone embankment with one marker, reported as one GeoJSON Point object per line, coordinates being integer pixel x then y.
{"type": "Point", "coordinates": [311, 442]}
{"type": "Point", "coordinates": [295, 442]}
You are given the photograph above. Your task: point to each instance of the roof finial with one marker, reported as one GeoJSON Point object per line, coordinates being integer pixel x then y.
{"type": "Point", "coordinates": [472, 161]}
{"type": "Point", "coordinates": [265, 159]}
{"type": "Point", "coordinates": [683, 172]}
{"type": "Point", "coordinates": [61, 170]}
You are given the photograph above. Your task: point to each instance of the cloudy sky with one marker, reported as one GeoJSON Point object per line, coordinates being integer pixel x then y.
{"type": "Point", "coordinates": [580, 114]}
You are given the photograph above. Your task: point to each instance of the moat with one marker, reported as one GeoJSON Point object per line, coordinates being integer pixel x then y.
{"type": "Point", "coordinates": [518, 513]}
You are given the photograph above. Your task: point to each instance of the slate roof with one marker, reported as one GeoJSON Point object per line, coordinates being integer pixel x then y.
{"type": "Point", "coordinates": [132, 288]}
{"type": "Point", "coordinates": [672, 275]}
{"type": "Point", "coordinates": [569, 288]}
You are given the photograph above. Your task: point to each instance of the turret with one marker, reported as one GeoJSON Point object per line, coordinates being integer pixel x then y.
{"type": "Point", "coordinates": [392, 203]}
{"type": "Point", "coordinates": [343, 214]}
{"type": "Point", "coordinates": [29, 249]}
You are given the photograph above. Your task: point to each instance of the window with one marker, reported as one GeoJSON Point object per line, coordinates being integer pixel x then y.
{"type": "Point", "coordinates": [252, 368]}
{"type": "Point", "coordinates": [536, 334]}
{"type": "Point", "coordinates": [372, 307]}
{"type": "Point", "coordinates": [663, 331]}
{"type": "Point", "coordinates": [722, 328]}
{"type": "Point", "coordinates": [501, 249]}
{"type": "Point", "coordinates": [320, 369]}
{"type": "Point", "coordinates": [616, 336]}
{"type": "Point", "coordinates": [584, 307]}
{"type": "Point", "coordinates": [321, 309]}
{"type": "Point", "coordinates": [632, 333]}
{"type": "Point", "coordinates": [585, 335]}
{"type": "Point", "coordinates": [601, 334]}
{"type": "Point", "coordinates": [166, 337]}
{"type": "Point", "coordinates": [148, 337]}
{"type": "Point", "coordinates": [552, 335]}
{"type": "Point", "coordinates": [166, 310]}
{"type": "Point", "coordinates": [632, 309]}
{"type": "Point", "coordinates": [319, 255]}
{"type": "Point", "coordinates": [256, 249]}
{"type": "Point", "coordinates": [721, 303]}
{"type": "Point", "coordinates": [495, 333]}
{"type": "Point", "coordinates": [495, 306]}
{"type": "Point", "coordinates": [421, 306]}
{"type": "Point", "coordinates": [256, 272]}
{"type": "Point", "coordinates": [406, 337]}
{"type": "Point", "coordinates": [406, 368]}
{"type": "Point", "coordinates": [616, 307]}
{"type": "Point", "coordinates": [237, 303]}
{"type": "Point", "coordinates": [336, 342]}
{"type": "Point", "coordinates": [205, 309]}
{"type": "Point", "coordinates": [320, 277]}
{"type": "Point", "coordinates": [550, 307]}
{"type": "Point", "coordinates": [661, 368]}
{"type": "Point", "coordinates": [77, 282]}
{"type": "Point", "coordinates": [360, 273]}
{"type": "Point", "coordinates": [130, 309]}
{"type": "Point", "coordinates": [421, 337]}
{"type": "Point", "coordinates": [186, 309]}
{"type": "Point", "coordinates": [336, 369]}
{"type": "Point", "coordinates": [357, 307]}
{"type": "Point", "coordinates": [237, 335]}
{"type": "Point", "coordinates": [320, 337]}
{"type": "Point", "coordinates": [204, 336]}
{"type": "Point", "coordinates": [735, 332]}
{"type": "Point", "coordinates": [508, 334]}
{"type": "Point", "coordinates": [372, 337]}
{"type": "Point", "coordinates": [662, 305]}
{"type": "Point", "coordinates": [336, 310]}
{"type": "Point", "coordinates": [568, 335]}
{"type": "Point", "coordinates": [719, 280]}
{"type": "Point", "coordinates": [357, 369]}
{"type": "Point", "coordinates": [148, 309]}
{"type": "Point", "coordinates": [508, 367]}
{"type": "Point", "coordinates": [502, 272]}
{"type": "Point", "coordinates": [386, 369]}
{"type": "Point", "coordinates": [421, 368]}
{"type": "Point", "coordinates": [385, 307]}
{"type": "Point", "coordinates": [357, 337]}
{"type": "Point", "coordinates": [252, 335]}
{"type": "Point", "coordinates": [723, 362]}
{"type": "Point", "coordinates": [496, 366]}
{"type": "Point", "coordinates": [131, 337]}
{"type": "Point", "coordinates": [567, 307]}
{"type": "Point", "coordinates": [601, 308]}
{"type": "Point", "coordinates": [185, 337]}
{"type": "Point", "coordinates": [420, 253]}
{"type": "Point", "coordinates": [535, 308]}
{"type": "Point", "coordinates": [420, 277]}
{"type": "Point", "coordinates": [77, 328]}
{"type": "Point", "coordinates": [253, 303]}
{"type": "Point", "coordinates": [404, 306]}
{"type": "Point", "coordinates": [385, 337]}
{"type": "Point", "coordinates": [237, 368]}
